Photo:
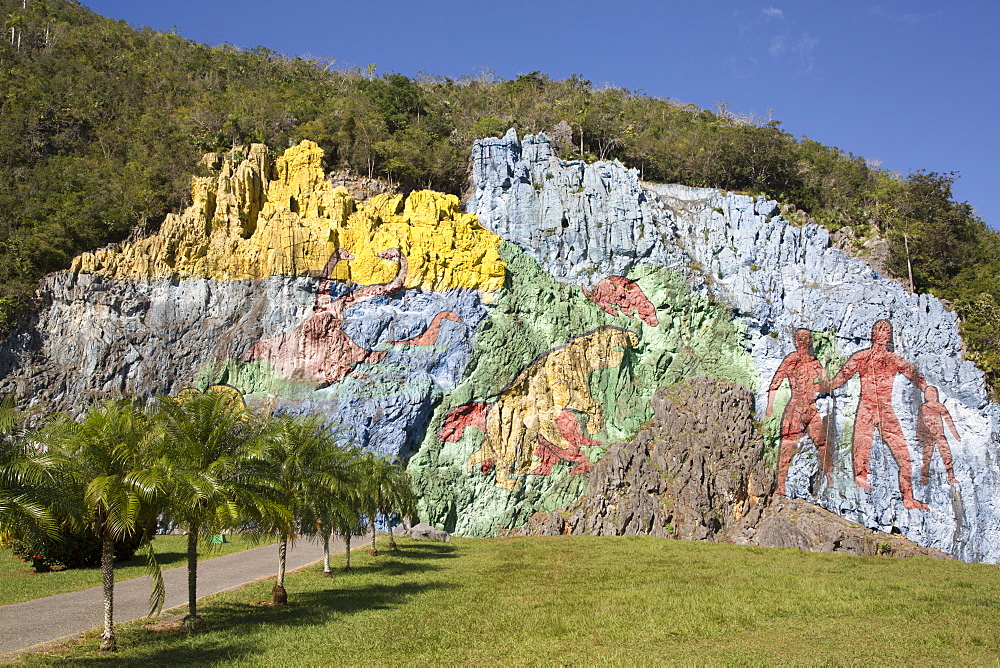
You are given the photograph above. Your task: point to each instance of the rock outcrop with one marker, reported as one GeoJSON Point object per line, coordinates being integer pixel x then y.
{"type": "Point", "coordinates": [258, 218]}
{"type": "Point", "coordinates": [252, 260]}
{"type": "Point", "coordinates": [583, 223]}
{"type": "Point", "coordinates": [692, 472]}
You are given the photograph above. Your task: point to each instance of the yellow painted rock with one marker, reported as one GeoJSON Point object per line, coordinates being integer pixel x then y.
{"type": "Point", "coordinates": [259, 218]}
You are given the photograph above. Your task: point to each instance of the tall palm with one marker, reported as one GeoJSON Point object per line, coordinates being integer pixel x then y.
{"type": "Point", "coordinates": [386, 491]}
{"type": "Point", "coordinates": [210, 447]}
{"type": "Point", "coordinates": [106, 459]}
{"type": "Point", "coordinates": [309, 467]}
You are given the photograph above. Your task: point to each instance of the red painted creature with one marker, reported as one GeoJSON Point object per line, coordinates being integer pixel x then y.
{"type": "Point", "coordinates": [319, 350]}
{"type": "Point", "coordinates": [430, 335]}
{"type": "Point", "coordinates": [618, 295]}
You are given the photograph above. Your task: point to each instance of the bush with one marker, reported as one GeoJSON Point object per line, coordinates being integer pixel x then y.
{"type": "Point", "coordinates": [74, 549]}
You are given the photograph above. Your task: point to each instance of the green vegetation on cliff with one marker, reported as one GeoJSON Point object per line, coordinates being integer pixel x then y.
{"type": "Point", "coordinates": [100, 124]}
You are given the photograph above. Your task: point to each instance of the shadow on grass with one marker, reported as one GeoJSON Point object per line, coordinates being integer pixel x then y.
{"type": "Point", "coordinates": [426, 550]}
{"type": "Point", "coordinates": [233, 628]}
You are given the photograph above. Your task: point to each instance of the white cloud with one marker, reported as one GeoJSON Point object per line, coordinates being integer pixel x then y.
{"type": "Point", "coordinates": [777, 46]}
{"type": "Point", "coordinates": [773, 13]}
{"type": "Point", "coordinates": [799, 52]}
{"type": "Point", "coordinates": [903, 17]}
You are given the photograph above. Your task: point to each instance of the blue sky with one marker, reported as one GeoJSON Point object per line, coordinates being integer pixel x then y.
{"type": "Point", "coordinates": [912, 84]}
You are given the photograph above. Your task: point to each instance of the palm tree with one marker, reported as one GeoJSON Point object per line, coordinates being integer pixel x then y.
{"type": "Point", "coordinates": [331, 512]}
{"type": "Point", "coordinates": [386, 492]}
{"type": "Point", "coordinates": [311, 472]}
{"type": "Point", "coordinates": [106, 460]}
{"type": "Point", "coordinates": [28, 487]}
{"type": "Point", "coordinates": [211, 448]}
{"type": "Point", "coordinates": [16, 24]}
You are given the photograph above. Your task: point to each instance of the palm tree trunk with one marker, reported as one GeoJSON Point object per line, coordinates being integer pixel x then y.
{"type": "Point", "coordinates": [192, 620]}
{"type": "Point", "coordinates": [326, 553]}
{"type": "Point", "coordinates": [278, 594]}
{"type": "Point", "coordinates": [108, 643]}
{"type": "Point", "coordinates": [347, 552]}
{"type": "Point", "coordinates": [374, 551]}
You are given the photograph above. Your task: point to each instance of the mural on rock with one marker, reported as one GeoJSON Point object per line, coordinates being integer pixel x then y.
{"type": "Point", "coordinates": [931, 417]}
{"type": "Point", "coordinates": [617, 295]}
{"type": "Point", "coordinates": [806, 377]}
{"type": "Point", "coordinates": [536, 415]}
{"type": "Point", "coordinates": [831, 395]}
{"type": "Point", "coordinates": [503, 347]}
{"type": "Point", "coordinates": [318, 350]}
{"type": "Point", "coordinates": [877, 368]}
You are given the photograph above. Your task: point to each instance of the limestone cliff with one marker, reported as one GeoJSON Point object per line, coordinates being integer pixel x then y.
{"type": "Point", "coordinates": [876, 396]}
{"type": "Point", "coordinates": [506, 347]}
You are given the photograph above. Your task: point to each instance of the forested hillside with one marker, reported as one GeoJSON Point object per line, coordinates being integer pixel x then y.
{"type": "Point", "coordinates": [101, 123]}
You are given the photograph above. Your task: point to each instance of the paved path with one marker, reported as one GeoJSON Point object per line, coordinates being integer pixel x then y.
{"type": "Point", "coordinates": [34, 624]}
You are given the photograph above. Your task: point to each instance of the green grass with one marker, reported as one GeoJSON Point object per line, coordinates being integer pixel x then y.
{"type": "Point", "coordinates": [585, 600]}
{"type": "Point", "coordinates": [18, 582]}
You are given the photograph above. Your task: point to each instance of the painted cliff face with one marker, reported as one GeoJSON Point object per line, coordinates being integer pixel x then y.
{"type": "Point", "coordinates": [536, 415]}
{"type": "Point", "coordinates": [853, 420]}
{"type": "Point", "coordinates": [319, 350]}
{"type": "Point", "coordinates": [502, 346]}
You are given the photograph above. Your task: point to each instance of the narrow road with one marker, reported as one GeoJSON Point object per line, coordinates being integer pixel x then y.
{"type": "Point", "coordinates": [34, 624]}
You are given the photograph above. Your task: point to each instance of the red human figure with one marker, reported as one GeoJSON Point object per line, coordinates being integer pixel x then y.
{"type": "Point", "coordinates": [931, 418]}
{"type": "Point", "coordinates": [877, 366]}
{"type": "Point", "coordinates": [805, 375]}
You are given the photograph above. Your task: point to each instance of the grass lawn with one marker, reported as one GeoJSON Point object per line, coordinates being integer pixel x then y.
{"type": "Point", "coordinates": [18, 582]}
{"type": "Point", "coordinates": [587, 600]}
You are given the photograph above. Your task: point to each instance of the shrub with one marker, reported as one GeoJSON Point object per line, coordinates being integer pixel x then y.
{"type": "Point", "coordinates": [74, 549]}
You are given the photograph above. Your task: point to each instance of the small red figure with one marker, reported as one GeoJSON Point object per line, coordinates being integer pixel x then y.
{"type": "Point", "coordinates": [931, 418]}
{"type": "Point", "coordinates": [804, 374]}
{"type": "Point", "coordinates": [430, 335]}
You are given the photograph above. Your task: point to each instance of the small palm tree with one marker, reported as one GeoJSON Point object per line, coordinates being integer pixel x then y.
{"type": "Point", "coordinates": [106, 460]}
{"type": "Point", "coordinates": [311, 471]}
{"type": "Point", "coordinates": [331, 512]}
{"type": "Point", "coordinates": [210, 447]}
{"type": "Point", "coordinates": [386, 491]}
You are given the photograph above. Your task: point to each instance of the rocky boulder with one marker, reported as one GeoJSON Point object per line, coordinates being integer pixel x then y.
{"type": "Point", "coordinates": [427, 532]}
